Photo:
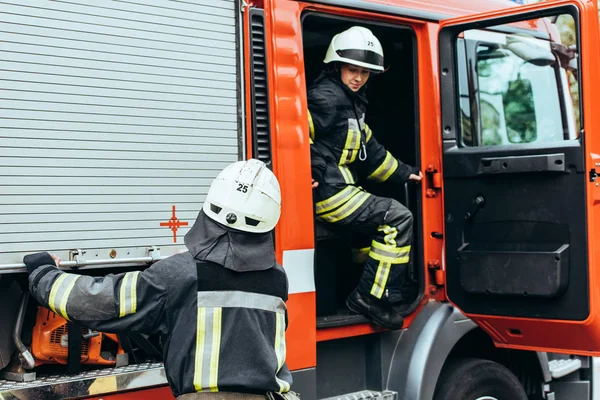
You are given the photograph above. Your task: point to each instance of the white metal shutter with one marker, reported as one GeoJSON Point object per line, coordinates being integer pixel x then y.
{"type": "Point", "coordinates": [111, 112]}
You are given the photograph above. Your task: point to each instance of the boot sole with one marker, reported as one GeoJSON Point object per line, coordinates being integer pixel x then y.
{"type": "Point", "coordinates": [356, 308]}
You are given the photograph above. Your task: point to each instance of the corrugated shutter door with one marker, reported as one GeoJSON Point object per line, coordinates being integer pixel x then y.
{"type": "Point", "coordinates": [111, 112]}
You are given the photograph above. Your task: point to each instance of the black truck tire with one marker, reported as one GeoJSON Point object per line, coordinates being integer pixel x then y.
{"type": "Point", "coordinates": [478, 379]}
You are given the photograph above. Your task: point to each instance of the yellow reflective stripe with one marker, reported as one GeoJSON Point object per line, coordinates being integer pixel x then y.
{"type": "Point", "coordinates": [59, 294]}
{"type": "Point", "coordinates": [381, 276]}
{"type": "Point", "coordinates": [388, 259]}
{"type": "Point", "coordinates": [128, 294]}
{"type": "Point", "coordinates": [310, 141]}
{"type": "Point", "coordinates": [337, 199]}
{"type": "Point", "coordinates": [355, 146]}
{"type": "Point", "coordinates": [369, 132]}
{"type": "Point", "coordinates": [386, 169]}
{"type": "Point", "coordinates": [311, 127]}
{"type": "Point", "coordinates": [208, 348]}
{"type": "Point", "coordinates": [200, 334]}
{"type": "Point", "coordinates": [280, 350]}
{"type": "Point", "coordinates": [347, 209]}
{"type": "Point", "coordinates": [346, 174]}
{"type": "Point", "coordinates": [65, 296]}
{"type": "Point", "coordinates": [215, 350]}
{"type": "Point", "coordinates": [344, 156]}
{"type": "Point", "coordinates": [389, 251]}
{"type": "Point", "coordinates": [350, 147]}
{"type": "Point", "coordinates": [122, 293]}
{"type": "Point", "coordinates": [134, 292]}
{"type": "Point", "coordinates": [360, 255]}
{"type": "Point", "coordinates": [54, 291]}
{"type": "Point", "coordinates": [390, 233]}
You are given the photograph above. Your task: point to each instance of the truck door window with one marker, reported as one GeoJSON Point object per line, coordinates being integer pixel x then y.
{"type": "Point", "coordinates": [519, 88]}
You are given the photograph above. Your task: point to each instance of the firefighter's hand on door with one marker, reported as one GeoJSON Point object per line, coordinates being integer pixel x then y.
{"type": "Point", "coordinates": [314, 184]}
{"type": "Point", "coordinates": [34, 261]}
{"type": "Point", "coordinates": [416, 178]}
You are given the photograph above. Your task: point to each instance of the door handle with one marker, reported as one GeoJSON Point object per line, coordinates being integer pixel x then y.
{"type": "Point", "coordinates": [478, 203]}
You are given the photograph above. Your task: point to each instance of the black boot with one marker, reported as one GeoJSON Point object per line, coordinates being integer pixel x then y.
{"type": "Point", "coordinates": [376, 310]}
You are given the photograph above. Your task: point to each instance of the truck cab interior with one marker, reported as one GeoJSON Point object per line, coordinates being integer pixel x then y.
{"type": "Point", "coordinates": [392, 116]}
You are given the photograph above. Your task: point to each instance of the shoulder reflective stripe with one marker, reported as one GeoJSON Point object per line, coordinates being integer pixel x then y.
{"type": "Point", "coordinates": [208, 347]}
{"type": "Point", "coordinates": [280, 351]}
{"type": "Point", "coordinates": [59, 293]}
{"type": "Point", "coordinates": [347, 209]}
{"type": "Point", "coordinates": [381, 276]}
{"type": "Point", "coordinates": [386, 169]}
{"type": "Point", "coordinates": [347, 174]}
{"type": "Point", "coordinates": [299, 267]}
{"type": "Point", "coordinates": [337, 199]}
{"type": "Point", "coordinates": [128, 294]}
{"type": "Point", "coordinates": [311, 127]}
{"type": "Point", "coordinates": [237, 299]}
{"type": "Point", "coordinates": [310, 141]}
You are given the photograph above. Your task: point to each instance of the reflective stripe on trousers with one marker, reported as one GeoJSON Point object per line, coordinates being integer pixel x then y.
{"type": "Point", "coordinates": [385, 268]}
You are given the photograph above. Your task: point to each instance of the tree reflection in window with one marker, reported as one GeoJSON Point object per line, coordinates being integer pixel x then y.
{"type": "Point", "coordinates": [517, 99]}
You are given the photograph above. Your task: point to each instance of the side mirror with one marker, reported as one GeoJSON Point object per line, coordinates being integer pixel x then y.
{"type": "Point", "coordinates": [566, 55]}
{"type": "Point", "coordinates": [530, 52]}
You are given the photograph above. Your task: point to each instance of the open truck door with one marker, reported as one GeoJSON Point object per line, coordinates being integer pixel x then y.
{"type": "Point", "coordinates": [521, 133]}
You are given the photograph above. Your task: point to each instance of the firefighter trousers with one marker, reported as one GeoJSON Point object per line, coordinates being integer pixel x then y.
{"type": "Point", "coordinates": [381, 238]}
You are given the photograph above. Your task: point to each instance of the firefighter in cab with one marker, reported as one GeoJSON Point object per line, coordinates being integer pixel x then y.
{"type": "Point", "coordinates": [219, 307]}
{"type": "Point", "coordinates": [344, 152]}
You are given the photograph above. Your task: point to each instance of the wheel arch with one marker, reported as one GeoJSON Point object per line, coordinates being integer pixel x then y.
{"type": "Point", "coordinates": [441, 332]}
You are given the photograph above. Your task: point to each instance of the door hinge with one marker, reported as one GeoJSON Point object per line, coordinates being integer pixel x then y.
{"type": "Point", "coordinates": [437, 272]}
{"type": "Point", "coordinates": [433, 181]}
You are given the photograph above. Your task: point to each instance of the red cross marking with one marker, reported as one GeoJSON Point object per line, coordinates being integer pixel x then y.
{"type": "Point", "coordinates": [174, 224]}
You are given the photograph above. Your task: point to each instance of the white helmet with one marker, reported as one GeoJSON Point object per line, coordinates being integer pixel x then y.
{"type": "Point", "coordinates": [245, 196]}
{"type": "Point", "coordinates": [356, 46]}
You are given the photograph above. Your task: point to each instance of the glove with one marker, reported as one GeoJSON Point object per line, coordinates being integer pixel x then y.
{"type": "Point", "coordinates": [34, 261]}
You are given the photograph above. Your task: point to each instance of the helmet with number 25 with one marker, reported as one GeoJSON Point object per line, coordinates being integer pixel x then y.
{"type": "Point", "coordinates": [245, 196]}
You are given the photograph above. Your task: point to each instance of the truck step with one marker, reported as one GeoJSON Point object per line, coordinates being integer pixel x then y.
{"type": "Point", "coordinates": [366, 395]}
{"type": "Point", "coordinates": [101, 381]}
{"type": "Point", "coordinates": [563, 367]}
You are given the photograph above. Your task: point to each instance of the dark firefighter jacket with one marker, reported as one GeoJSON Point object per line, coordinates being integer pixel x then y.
{"type": "Point", "coordinates": [343, 149]}
{"type": "Point", "coordinates": [222, 330]}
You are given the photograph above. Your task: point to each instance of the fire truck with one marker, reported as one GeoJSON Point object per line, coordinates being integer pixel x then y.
{"type": "Point", "coordinates": [116, 115]}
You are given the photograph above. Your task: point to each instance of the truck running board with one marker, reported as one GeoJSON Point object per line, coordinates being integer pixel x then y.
{"type": "Point", "coordinates": [96, 382]}
{"type": "Point", "coordinates": [366, 395]}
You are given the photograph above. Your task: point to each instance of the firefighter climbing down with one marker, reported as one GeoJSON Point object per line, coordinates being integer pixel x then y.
{"type": "Point", "coordinates": [219, 307]}
{"type": "Point", "coordinates": [344, 151]}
